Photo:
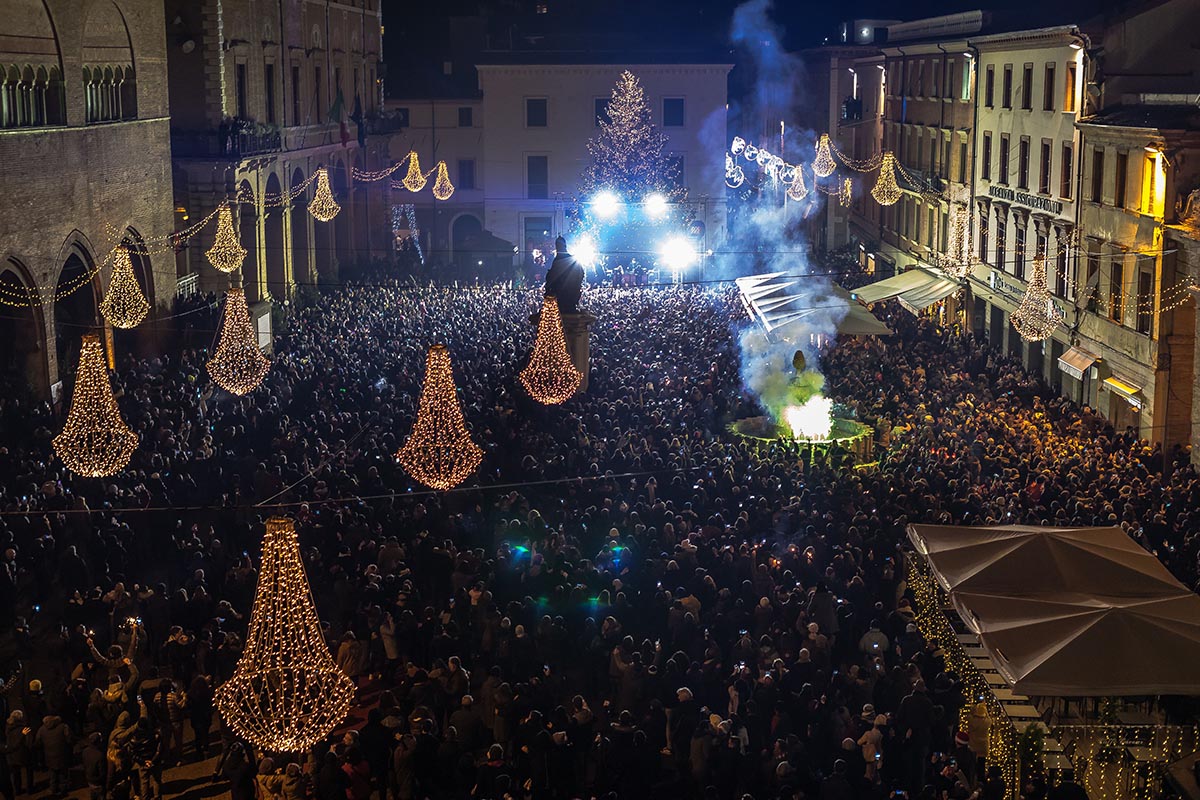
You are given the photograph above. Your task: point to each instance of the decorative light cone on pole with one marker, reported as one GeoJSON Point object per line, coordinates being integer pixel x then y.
{"type": "Point", "coordinates": [551, 377]}
{"type": "Point", "coordinates": [124, 305]}
{"type": "Point", "coordinates": [238, 365]}
{"type": "Point", "coordinates": [439, 453]}
{"type": "Point", "coordinates": [797, 189]}
{"type": "Point", "coordinates": [226, 253]}
{"type": "Point", "coordinates": [1037, 316]}
{"type": "Point", "coordinates": [847, 193]}
{"type": "Point", "coordinates": [323, 207]}
{"type": "Point", "coordinates": [414, 179]}
{"type": "Point", "coordinates": [442, 187]}
{"type": "Point", "coordinates": [886, 191]}
{"type": "Point", "coordinates": [824, 165]}
{"type": "Point", "coordinates": [286, 693]}
{"type": "Point", "coordinates": [95, 442]}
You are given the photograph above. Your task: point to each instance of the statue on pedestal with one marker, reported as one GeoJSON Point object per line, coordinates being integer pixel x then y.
{"type": "Point", "coordinates": [564, 281]}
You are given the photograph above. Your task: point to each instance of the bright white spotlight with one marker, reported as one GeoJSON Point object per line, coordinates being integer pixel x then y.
{"type": "Point", "coordinates": [584, 250]}
{"type": "Point", "coordinates": [677, 253]}
{"type": "Point", "coordinates": [656, 205]}
{"type": "Point", "coordinates": [606, 204]}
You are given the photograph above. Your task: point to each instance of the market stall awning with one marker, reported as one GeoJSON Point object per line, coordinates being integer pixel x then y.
{"type": "Point", "coordinates": [917, 300]}
{"type": "Point", "coordinates": [1076, 361]}
{"type": "Point", "coordinates": [1054, 608]}
{"type": "Point", "coordinates": [894, 287]}
{"type": "Point", "coordinates": [777, 302]}
{"type": "Point", "coordinates": [1130, 391]}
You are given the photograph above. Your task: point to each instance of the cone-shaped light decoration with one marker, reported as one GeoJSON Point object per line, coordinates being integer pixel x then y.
{"type": "Point", "coordinates": [323, 207]}
{"type": "Point", "coordinates": [439, 453]}
{"type": "Point", "coordinates": [824, 164]}
{"type": "Point", "coordinates": [226, 253]}
{"type": "Point", "coordinates": [286, 693]}
{"type": "Point", "coordinates": [124, 305]}
{"type": "Point", "coordinates": [414, 181]}
{"type": "Point", "coordinates": [442, 187]}
{"type": "Point", "coordinates": [886, 191]}
{"type": "Point", "coordinates": [550, 378]}
{"type": "Point", "coordinates": [957, 262]}
{"type": "Point", "coordinates": [95, 442]}
{"type": "Point", "coordinates": [845, 197]}
{"type": "Point", "coordinates": [797, 189]}
{"type": "Point", "coordinates": [238, 365]}
{"type": "Point", "coordinates": [1037, 316]}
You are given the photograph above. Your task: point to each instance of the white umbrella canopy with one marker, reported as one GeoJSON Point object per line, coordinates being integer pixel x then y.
{"type": "Point", "coordinates": [1069, 611]}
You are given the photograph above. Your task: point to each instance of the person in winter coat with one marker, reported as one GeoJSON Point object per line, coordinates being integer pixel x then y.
{"type": "Point", "coordinates": [54, 739]}
{"type": "Point", "coordinates": [200, 712]}
{"type": "Point", "coordinates": [234, 767]}
{"type": "Point", "coordinates": [95, 766]}
{"type": "Point", "coordinates": [332, 783]}
{"type": "Point", "coordinates": [145, 750]}
{"type": "Point", "coordinates": [872, 748]}
{"type": "Point", "coordinates": [18, 750]}
{"type": "Point", "coordinates": [268, 784]}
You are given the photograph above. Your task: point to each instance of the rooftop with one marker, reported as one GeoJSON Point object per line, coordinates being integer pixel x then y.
{"type": "Point", "coordinates": [1154, 117]}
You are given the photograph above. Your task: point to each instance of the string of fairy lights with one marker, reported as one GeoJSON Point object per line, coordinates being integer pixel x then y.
{"type": "Point", "coordinates": [551, 377]}
{"type": "Point", "coordinates": [286, 693]}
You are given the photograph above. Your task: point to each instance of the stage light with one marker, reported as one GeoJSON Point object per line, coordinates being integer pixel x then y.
{"type": "Point", "coordinates": [656, 206]}
{"type": "Point", "coordinates": [585, 251]}
{"type": "Point", "coordinates": [606, 204]}
{"type": "Point", "coordinates": [677, 253]}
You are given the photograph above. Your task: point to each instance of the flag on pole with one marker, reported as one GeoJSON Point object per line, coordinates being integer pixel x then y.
{"type": "Point", "coordinates": [359, 121]}
{"type": "Point", "coordinates": [335, 115]}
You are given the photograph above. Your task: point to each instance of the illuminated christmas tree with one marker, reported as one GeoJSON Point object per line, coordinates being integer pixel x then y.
{"type": "Point", "coordinates": [628, 156]}
{"type": "Point", "coordinates": [286, 693]}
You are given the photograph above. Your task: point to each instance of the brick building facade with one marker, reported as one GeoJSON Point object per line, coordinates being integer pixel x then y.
{"type": "Point", "coordinates": [255, 89]}
{"type": "Point", "coordinates": [84, 164]}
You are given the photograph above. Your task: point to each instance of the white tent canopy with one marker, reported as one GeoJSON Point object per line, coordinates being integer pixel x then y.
{"type": "Point", "coordinates": [774, 299]}
{"type": "Point", "coordinates": [1060, 610]}
{"type": "Point", "coordinates": [916, 289]}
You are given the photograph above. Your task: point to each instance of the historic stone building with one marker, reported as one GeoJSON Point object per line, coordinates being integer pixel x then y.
{"type": "Point", "coordinates": [84, 165]}
{"type": "Point", "coordinates": [262, 96]}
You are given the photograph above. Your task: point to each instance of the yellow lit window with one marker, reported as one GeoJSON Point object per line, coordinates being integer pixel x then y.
{"type": "Point", "coordinates": [1154, 184]}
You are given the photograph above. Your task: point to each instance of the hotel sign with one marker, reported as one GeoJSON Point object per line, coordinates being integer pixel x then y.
{"type": "Point", "coordinates": [1015, 292]}
{"type": "Point", "coordinates": [1026, 199]}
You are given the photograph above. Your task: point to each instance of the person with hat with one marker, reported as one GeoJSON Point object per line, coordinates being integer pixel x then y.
{"type": "Point", "coordinates": [965, 757]}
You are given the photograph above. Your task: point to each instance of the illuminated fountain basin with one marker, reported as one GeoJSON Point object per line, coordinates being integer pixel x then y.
{"type": "Point", "coordinates": [840, 433]}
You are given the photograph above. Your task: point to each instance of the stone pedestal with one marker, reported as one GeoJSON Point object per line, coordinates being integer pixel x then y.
{"type": "Point", "coordinates": [576, 329]}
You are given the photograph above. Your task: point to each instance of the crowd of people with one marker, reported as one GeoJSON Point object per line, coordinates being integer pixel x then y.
{"type": "Point", "coordinates": [624, 601]}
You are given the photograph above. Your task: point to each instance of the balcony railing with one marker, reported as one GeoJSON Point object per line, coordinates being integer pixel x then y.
{"type": "Point", "coordinates": [232, 140]}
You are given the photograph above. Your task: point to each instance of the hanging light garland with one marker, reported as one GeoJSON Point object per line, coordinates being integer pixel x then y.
{"type": "Point", "coordinates": [323, 207]}
{"type": "Point", "coordinates": [886, 191]}
{"type": "Point", "coordinates": [439, 453]}
{"type": "Point", "coordinates": [845, 197]}
{"type": "Point", "coordinates": [551, 377]}
{"type": "Point", "coordinates": [238, 366]}
{"type": "Point", "coordinates": [286, 693]}
{"type": "Point", "coordinates": [824, 165]}
{"type": "Point", "coordinates": [124, 305]}
{"type": "Point", "coordinates": [414, 181]}
{"type": "Point", "coordinates": [226, 253]}
{"type": "Point", "coordinates": [1037, 316]}
{"type": "Point", "coordinates": [95, 442]}
{"type": "Point", "coordinates": [442, 187]}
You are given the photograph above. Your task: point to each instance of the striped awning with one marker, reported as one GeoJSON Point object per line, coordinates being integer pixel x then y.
{"type": "Point", "coordinates": [1076, 361]}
